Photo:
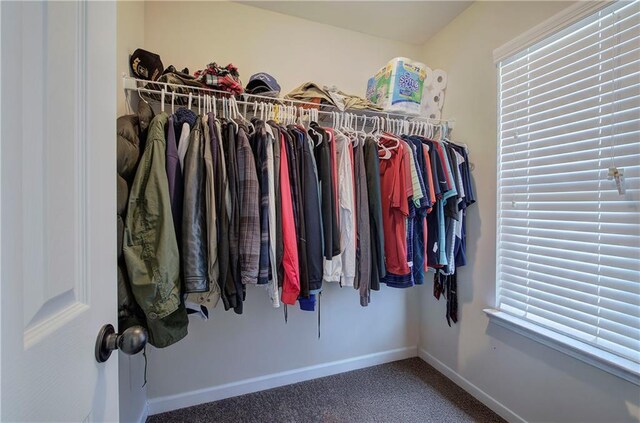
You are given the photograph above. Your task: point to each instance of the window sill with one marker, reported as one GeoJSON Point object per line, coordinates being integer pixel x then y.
{"type": "Point", "coordinates": [621, 367]}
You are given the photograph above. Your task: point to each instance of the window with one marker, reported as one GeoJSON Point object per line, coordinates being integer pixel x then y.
{"type": "Point", "coordinates": [568, 242]}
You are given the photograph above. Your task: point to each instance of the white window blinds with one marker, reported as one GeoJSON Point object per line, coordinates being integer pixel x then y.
{"type": "Point", "coordinates": [568, 243]}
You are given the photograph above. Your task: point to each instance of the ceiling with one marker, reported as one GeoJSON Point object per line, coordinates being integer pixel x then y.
{"type": "Point", "coordinates": [411, 22]}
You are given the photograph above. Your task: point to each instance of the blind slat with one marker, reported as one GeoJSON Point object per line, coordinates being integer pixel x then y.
{"type": "Point", "coordinates": [568, 243]}
{"type": "Point", "coordinates": [568, 36]}
{"type": "Point", "coordinates": [579, 84]}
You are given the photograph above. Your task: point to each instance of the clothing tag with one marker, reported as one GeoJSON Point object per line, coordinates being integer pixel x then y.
{"type": "Point", "coordinates": [618, 175]}
{"type": "Point", "coordinates": [435, 247]}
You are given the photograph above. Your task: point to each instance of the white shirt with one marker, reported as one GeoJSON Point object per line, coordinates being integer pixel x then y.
{"type": "Point", "coordinates": [183, 143]}
{"type": "Point", "coordinates": [346, 199]}
{"type": "Point", "coordinates": [272, 286]}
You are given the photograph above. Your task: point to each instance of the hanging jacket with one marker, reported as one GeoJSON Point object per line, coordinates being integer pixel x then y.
{"type": "Point", "coordinates": [194, 225]}
{"type": "Point", "coordinates": [291, 275]}
{"type": "Point", "coordinates": [131, 133]}
{"type": "Point", "coordinates": [249, 211]}
{"type": "Point", "coordinates": [174, 175]}
{"type": "Point", "coordinates": [363, 241]}
{"type": "Point", "coordinates": [150, 246]}
{"type": "Point", "coordinates": [259, 144]}
{"type": "Point", "coordinates": [233, 208]}
{"type": "Point", "coordinates": [202, 301]}
{"type": "Point", "coordinates": [294, 154]}
{"type": "Point", "coordinates": [325, 180]}
{"type": "Point", "coordinates": [372, 167]}
{"type": "Point", "coordinates": [272, 218]}
{"type": "Point", "coordinates": [312, 215]}
{"type": "Point", "coordinates": [333, 267]}
{"type": "Point", "coordinates": [279, 269]}
{"type": "Point", "coordinates": [222, 203]}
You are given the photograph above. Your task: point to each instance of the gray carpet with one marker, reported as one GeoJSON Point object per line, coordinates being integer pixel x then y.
{"type": "Point", "coordinates": [403, 391]}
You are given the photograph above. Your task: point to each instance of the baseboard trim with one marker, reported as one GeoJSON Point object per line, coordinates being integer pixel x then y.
{"type": "Point", "coordinates": [246, 386]}
{"type": "Point", "coordinates": [144, 413]}
{"type": "Point", "coordinates": [472, 389]}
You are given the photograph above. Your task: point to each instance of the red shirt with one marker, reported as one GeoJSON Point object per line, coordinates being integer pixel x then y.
{"type": "Point", "coordinates": [395, 208]}
{"type": "Point", "coordinates": [291, 281]}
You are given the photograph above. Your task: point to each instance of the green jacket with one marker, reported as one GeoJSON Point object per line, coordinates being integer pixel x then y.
{"type": "Point", "coordinates": [150, 247]}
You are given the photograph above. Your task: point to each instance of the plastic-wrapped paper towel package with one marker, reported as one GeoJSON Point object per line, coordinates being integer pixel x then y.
{"type": "Point", "coordinates": [407, 86]}
{"type": "Point", "coordinates": [399, 86]}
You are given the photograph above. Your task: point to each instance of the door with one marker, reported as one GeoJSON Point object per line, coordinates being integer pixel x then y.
{"type": "Point", "coordinates": [57, 210]}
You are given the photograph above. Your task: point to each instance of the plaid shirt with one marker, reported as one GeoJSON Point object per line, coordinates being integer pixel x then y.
{"type": "Point", "coordinates": [259, 146]}
{"type": "Point", "coordinates": [248, 203]}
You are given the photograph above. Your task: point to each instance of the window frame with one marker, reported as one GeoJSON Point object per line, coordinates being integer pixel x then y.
{"type": "Point", "coordinates": [622, 367]}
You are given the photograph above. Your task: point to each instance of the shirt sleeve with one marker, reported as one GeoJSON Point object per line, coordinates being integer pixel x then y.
{"type": "Point", "coordinates": [399, 190]}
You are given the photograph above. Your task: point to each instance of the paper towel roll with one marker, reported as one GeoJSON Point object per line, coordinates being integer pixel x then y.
{"type": "Point", "coordinates": [431, 104]}
{"type": "Point", "coordinates": [434, 114]}
{"type": "Point", "coordinates": [428, 79]}
{"type": "Point", "coordinates": [439, 80]}
{"type": "Point", "coordinates": [437, 98]}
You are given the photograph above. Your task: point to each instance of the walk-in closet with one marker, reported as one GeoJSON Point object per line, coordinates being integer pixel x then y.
{"type": "Point", "coordinates": [320, 211]}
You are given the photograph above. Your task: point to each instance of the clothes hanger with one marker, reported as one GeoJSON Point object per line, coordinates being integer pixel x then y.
{"type": "Point", "coordinates": [347, 130]}
{"type": "Point", "coordinates": [140, 95]}
{"type": "Point", "coordinates": [360, 134]}
{"type": "Point", "coordinates": [239, 116]}
{"type": "Point", "coordinates": [162, 101]}
{"type": "Point", "coordinates": [377, 134]}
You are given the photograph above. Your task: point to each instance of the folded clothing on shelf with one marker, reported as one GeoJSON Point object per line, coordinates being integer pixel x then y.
{"type": "Point", "coordinates": [220, 78]}
{"type": "Point", "coordinates": [177, 84]}
{"type": "Point", "coordinates": [311, 92]}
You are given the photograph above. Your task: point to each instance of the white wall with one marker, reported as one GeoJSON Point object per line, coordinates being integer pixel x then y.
{"type": "Point", "coordinates": [533, 381]}
{"type": "Point", "coordinates": [130, 15]}
{"type": "Point", "coordinates": [293, 50]}
{"type": "Point", "coordinates": [228, 347]}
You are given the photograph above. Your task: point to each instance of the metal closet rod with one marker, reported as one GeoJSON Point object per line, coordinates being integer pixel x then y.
{"type": "Point", "coordinates": [131, 84]}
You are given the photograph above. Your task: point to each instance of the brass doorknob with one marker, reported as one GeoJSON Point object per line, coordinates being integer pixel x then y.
{"type": "Point", "coordinates": [130, 342]}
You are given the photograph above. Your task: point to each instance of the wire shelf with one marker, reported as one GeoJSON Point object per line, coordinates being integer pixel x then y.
{"type": "Point", "coordinates": [180, 94]}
